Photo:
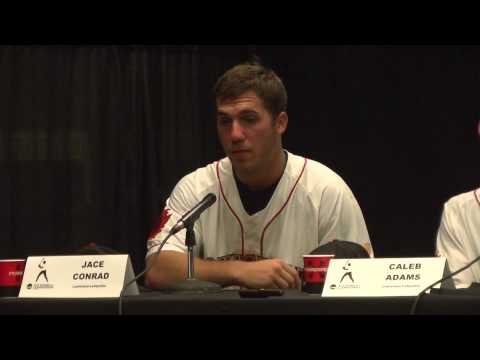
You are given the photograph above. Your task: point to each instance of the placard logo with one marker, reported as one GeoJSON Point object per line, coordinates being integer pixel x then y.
{"type": "Point", "coordinates": [348, 277]}
{"type": "Point", "coordinates": [41, 274]}
{"type": "Point", "coordinates": [347, 272]}
{"type": "Point", "coordinates": [43, 270]}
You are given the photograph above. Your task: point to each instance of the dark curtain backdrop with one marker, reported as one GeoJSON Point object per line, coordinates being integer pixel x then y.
{"type": "Point", "coordinates": [398, 123]}
{"type": "Point", "coordinates": [93, 138]}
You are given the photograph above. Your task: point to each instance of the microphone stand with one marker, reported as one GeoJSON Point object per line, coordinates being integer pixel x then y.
{"type": "Point", "coordinates": [192, 285]}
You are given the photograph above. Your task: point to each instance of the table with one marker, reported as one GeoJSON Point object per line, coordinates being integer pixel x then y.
{"type": "Point", "coordinates": [228, 302]}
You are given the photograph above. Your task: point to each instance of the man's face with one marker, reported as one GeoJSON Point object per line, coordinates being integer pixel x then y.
{"type": "Point", "coordinates": [247, 132]}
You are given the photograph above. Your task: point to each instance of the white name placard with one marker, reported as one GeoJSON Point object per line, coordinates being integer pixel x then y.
{"type": "Point", "coordinates": [77, 276]}
{"type": "Point", "coordinates": [382, 277]}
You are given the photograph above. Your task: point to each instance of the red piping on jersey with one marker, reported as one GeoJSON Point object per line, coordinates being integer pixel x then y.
{"type": "Point", "coordinates": [476, 196]}
{"type": "Point", "coordinates": [228, 204]}
{"type": "Point", "coordinates": [279, 211]}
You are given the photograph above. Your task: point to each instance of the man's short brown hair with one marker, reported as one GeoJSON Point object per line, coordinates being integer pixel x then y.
{"type": "Point", "coordinates": [254, 77]}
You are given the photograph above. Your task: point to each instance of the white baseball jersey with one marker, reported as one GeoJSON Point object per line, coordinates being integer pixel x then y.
{"type": "Point", "coordinates": [310, 206]}
{"type": "Point", "coordinates": [458, 237]}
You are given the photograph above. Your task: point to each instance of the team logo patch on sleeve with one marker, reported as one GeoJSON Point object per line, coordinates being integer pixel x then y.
{"type": "Point", "coordinates": [165, 215]}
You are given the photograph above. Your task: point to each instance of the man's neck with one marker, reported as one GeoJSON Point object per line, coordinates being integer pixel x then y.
{"type": "Point", "coordinates": [267, 176]}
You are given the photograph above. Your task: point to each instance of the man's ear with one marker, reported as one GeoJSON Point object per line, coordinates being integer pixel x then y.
{"type": "Point", "coordinates": [281, 123]}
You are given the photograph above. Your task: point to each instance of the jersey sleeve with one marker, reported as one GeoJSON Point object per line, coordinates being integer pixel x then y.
{"type": "Point", "coordinates": [340, 217]}
{"type": "Point", "coordinates": [180, 201]}
{"type": "Point", "coordinates": [450, 244]}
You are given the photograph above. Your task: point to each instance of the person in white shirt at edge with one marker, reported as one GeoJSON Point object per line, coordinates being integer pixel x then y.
{"type": "Point", "coordinates": [272, 206]}
{"type": "Point", "coordinates": [458, 236]}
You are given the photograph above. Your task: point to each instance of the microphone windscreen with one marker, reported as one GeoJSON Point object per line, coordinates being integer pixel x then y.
{"type": "Point", "coordinates": [342, 250]}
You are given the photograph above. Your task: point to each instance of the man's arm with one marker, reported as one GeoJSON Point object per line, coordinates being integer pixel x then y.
{"type": "Point", "coordinates": [450, 244]}
{"type": "Point", "coordinates": [341, 218]}
{"type": "Point", "coordinates": [170, 267]}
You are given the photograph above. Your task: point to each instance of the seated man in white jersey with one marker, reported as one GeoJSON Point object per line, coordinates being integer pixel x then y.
{"type": "Point", "coordinates": [458, 236]}
{"type": "Point", "coordinates": [272, 206]}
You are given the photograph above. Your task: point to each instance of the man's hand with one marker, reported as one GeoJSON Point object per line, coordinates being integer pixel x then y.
{"type": "Point", "coordinates": [272, 273]}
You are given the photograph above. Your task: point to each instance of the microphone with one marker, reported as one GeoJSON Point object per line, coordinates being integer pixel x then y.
{"type": "Point", "coordinates": [190, 284]}
{"type": "Point", "coordinates": [190, 217]}
{"type": "Point", "coordinates": [417, 298]}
